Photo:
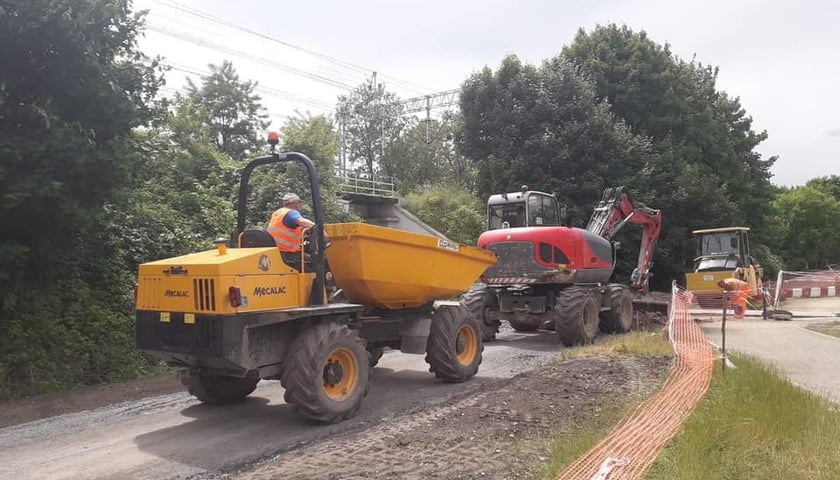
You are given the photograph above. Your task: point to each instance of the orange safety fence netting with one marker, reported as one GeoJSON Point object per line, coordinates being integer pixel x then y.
{"type": "Point", "coordinates": [633, 445]}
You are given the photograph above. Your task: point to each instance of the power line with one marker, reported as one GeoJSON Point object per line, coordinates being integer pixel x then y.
{"type": "Point", "coordinates": [206, 16]}
{"type": "Point", "coordinates": [254, 58]}
{"type": "Point", "coordinates": [271, 91]}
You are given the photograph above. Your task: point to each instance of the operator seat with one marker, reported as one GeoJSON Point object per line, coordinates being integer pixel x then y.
{"type": "Point", "coordinates": [254, 237]}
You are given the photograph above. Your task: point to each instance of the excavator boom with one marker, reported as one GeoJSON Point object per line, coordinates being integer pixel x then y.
{"type": "Point", "coordinates": [615, 210]}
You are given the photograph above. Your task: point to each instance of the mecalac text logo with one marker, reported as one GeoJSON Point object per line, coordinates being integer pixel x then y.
{"type": "Point", "coordinates": [176, 293]}
{"type": "Point", "coordinates": [263, 291]}
{"type": "Point", "coordinates": [264, 263]}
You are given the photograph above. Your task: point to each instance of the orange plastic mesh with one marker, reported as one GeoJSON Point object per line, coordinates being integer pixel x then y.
{"type": "Point", "coordinates": [633, 445]}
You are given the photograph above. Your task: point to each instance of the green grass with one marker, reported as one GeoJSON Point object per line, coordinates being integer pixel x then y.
{"type": "Point", "coordinates": [565, 448]}
{"type": "Point", "coordinates": [832, 328]}
{"type": "Point", "coordinates": [643, 344]}
{"type": "Point", "coordinates": [753, 424]}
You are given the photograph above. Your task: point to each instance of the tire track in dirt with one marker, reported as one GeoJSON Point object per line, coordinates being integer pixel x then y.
{"type": "Point", "coordinates": [492, 432]}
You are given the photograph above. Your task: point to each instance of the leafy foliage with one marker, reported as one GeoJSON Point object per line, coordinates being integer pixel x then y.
{"type": "Point", "coordinates": [543, 126]}
{"type": "Point", "coordinates": [807, 220]}
{"type": "Point", "coordinates": [451, 210]}
{"type": "Point", "coordinates": [705, 172]}
{"type": "Point", "coordinates": [426, 155]}
{"type": "Point", "coordinates": [71, 69]}
{"type": "Point", "coordinates": [231, 109]}
{"type": "Point", "coordinates": [372, 120]}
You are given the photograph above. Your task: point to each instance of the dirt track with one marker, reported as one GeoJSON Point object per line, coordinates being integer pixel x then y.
{"type": "Point", "coordinates": [408, 423]}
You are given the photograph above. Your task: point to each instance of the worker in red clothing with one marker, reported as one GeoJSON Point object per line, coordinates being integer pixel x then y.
{"type": "Point", "coordinates": [738, 291]}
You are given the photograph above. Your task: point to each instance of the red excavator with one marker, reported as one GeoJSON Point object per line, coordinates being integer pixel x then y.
{"type": "Point", "coordinates": [557, 276]}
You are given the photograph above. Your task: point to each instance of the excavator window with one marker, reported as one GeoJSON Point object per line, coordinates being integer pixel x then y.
{"type": "Point", "coordinates": [542, 211]}
{"type": "Point", "coordinates": [510, 215]}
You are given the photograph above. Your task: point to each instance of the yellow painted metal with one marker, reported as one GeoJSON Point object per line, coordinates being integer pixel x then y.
{"type": "Point", "coordinates": [344, 360]}
{"type": "Point", "coordinates": [706, 281]}
{"type": "Point", "coordinates": [395, 269]}
{"type": "Point", "coordinates": [200, 282]}
{"type": "Point", "coordinates": [467, 344]}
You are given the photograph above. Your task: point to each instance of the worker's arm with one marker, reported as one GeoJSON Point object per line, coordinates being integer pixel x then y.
{"type": "Point", "coordinates": [302, 222]}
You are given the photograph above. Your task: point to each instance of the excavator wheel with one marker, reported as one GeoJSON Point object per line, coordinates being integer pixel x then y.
{"type": "Point", "coordinates": [218, 389]}
{"type": "Point", "coordinates": [454, 348]}
{"type": "Point", "coordinates": [481, 302]}
{"type": "Point", "coordinates": [576, 315]}
{"type": "Point", "coordinates": [326, 373]}
{"type": "Point", "coordinates": [619, 318]}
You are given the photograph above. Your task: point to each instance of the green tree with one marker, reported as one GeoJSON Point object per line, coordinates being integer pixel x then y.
{"type": "Point", "coordinates": [72, 87]}
{"type": "Point", "coordinates": [704, 172]}
{"type": "Point", "coordinates": [452, 210]}
{"type": "Point", "coordinates": [829, 185]}
{"type": "Point", "coordinates": [808, 220]}
{"type": "Point", "coordinates": [426, 154]}
{"type": "Point", "coordinates": [231, 109]}
{"type": "Point", "coordinates": [371, 118]}
{"type": "Point", "coordinates": [544, 127]}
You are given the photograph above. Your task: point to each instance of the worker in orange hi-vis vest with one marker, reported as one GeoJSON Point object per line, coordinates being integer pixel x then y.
{"type": "Point", "coordinates": [738, 292]}
{"type": "Point", "coordinates": [286, 226]}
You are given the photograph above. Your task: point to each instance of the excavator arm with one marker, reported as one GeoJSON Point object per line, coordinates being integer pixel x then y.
{"type": "Point", "coordinates": [615, 210]}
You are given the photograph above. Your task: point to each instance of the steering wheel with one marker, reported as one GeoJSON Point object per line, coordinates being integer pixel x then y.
{"type": "Point", "coordinates": [309, 245]}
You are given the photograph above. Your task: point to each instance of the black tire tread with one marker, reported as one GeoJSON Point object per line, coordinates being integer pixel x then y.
{"type": "Point", "coordinates": [303, 371]}
{"type": "Point", "coordinates": [523, 326]}
{"type": "Point", "coordinates": [475, 300]}
{"type": "Point", "coordinates": [569, 313]}
{"type": "Point", "coordinates": [219, 389]}
{"type": "Point", "coordinates": [612, 320]}
{"type": "Point", "coordinates": [441, 352]}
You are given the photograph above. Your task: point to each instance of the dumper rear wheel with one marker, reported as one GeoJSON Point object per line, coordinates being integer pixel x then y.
{"type": "Point", "coordinates": [482, 304]}
{"type": "Point", "coordinates": [576, 315]}
{"type": "Point", "coordinates": [454, 348]}
{"type": "Point", "coordinates": [375, 354]}
{"type": "Point", "coordinates": [327, 373]}
{"type": "Point", "coordinates": [619, 318]}
{"type": "Point", "coordinates": [218, 389]}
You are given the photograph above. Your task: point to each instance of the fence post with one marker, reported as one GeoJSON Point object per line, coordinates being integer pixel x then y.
{"type": "Point", "coordinates": [723, 331]}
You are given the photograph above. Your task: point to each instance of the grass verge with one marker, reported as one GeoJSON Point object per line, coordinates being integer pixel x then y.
{"type": "Point", "coordinates": [831, 328]}
{"type": "Point", "coordinates": [754, 424]}
{"type": "Point", "coordinates": [562, 449]}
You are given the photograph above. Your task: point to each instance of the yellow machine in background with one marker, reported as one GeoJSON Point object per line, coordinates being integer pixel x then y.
{"type": "Point", "coordinates": [723, 253]}
{"type": "Point", "coordinates": [231, 316]}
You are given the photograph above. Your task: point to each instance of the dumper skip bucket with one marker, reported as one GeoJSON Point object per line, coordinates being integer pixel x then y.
{"type": "Point", "coordinates": [394, 269]}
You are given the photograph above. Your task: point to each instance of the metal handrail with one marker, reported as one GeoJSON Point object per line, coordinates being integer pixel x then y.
{"type": "Point", "coordinates": [356, 183]}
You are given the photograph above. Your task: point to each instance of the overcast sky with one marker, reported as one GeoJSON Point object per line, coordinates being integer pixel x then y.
{"type": "Point", "coordinates": [781, 58]}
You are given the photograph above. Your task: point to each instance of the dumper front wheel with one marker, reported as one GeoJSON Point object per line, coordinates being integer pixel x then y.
{"type": "Point", "coordinates": [483, 305]}
{"type": "Point", "coordinates": [454, 348]}
{"type": "Point", "coordinates": [218, 389]}
{"type": "Point", "coordinates": [327, 373]}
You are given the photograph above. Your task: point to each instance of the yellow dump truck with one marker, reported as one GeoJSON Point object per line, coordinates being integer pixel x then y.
{"type": "Point", "coordinates": [230, 316]}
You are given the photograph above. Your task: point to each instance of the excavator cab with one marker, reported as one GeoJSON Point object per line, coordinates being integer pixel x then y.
{"type": "Point", "coordinates": [722, 253]}
{"type": "Point", "coordinates": [525, 208]}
